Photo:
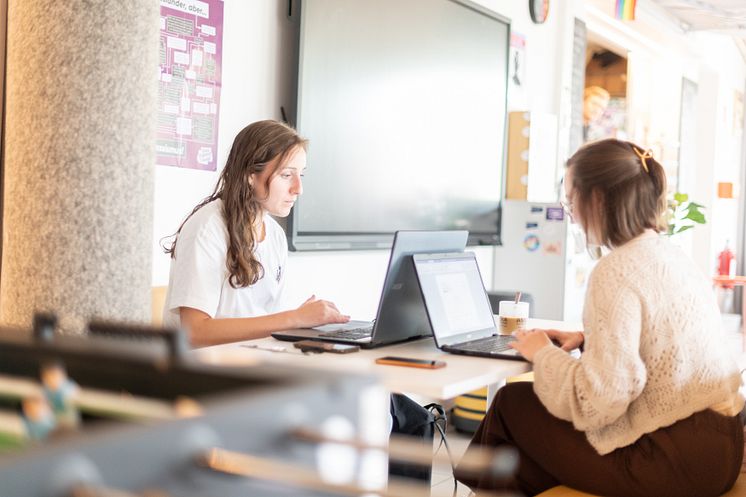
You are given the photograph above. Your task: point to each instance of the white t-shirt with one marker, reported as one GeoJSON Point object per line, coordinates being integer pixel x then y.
{"type": "Point", "coordinates": [199, 276]}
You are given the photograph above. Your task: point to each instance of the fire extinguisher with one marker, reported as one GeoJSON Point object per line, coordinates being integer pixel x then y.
{"type": "Point", "coordinates": [726, 263]}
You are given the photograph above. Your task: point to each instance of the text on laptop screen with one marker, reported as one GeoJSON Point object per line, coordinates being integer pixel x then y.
{"type": "Point", "coordinates": [455, 296]}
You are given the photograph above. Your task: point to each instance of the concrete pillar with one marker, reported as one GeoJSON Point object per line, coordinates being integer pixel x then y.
{"type": "Point", "coordinates": [79, 159]}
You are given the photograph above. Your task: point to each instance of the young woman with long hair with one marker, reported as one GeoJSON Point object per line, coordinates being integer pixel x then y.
{"type": "Point", "coordinates": [229, 256]}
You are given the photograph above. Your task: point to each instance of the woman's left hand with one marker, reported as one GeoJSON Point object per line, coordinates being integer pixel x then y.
{"type": "Point", "coordinates": [528, 342]}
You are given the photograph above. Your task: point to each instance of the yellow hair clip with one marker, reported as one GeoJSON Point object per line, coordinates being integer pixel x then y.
{"type": "Point", "coordinates": [643, 158]}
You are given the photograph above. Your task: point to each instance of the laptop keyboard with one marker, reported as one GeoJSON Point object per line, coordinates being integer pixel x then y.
{"type": "Point", "coordinates": [351, 334]}
{"type": "Point", "coordinates": [494, 343]}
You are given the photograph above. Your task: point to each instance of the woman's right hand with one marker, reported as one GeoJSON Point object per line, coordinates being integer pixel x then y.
{"type": "Point", "coordinates": [315, 312]}
{"type": "Point", "coordinates": [567, 340]}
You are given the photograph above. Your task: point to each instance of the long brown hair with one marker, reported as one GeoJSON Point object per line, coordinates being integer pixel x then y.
{"type": "Point", "coordinates": [259, 145]}
{"type": "Point", "coordinates": [619, 190]}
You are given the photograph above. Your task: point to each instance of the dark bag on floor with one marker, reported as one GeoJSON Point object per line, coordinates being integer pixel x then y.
{"type": "Point", "coordinates": [411, 419]}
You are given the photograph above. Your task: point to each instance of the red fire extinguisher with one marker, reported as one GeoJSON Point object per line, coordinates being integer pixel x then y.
{"type": "Point", "coordinates": [726, 263]}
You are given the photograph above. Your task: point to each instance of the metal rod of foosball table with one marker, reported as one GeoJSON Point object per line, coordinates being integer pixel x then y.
{"type": "Point", "coordinates": [250, 466]}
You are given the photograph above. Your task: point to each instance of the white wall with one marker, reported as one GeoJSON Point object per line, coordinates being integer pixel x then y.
{"type": "Point", "coordinates": [723, 79]}
{"type": "Point", "coordinates": [257, 79]}
{"type": "Point", "coordinates": [660, 53]}
{"type": "Point", "coordinates": [257, 74]}
{"type": "Point", "coordinates": [720, 72]}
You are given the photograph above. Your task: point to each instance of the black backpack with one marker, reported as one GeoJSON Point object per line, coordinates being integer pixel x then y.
{"type": "Point", "coordinates": [413, 420]}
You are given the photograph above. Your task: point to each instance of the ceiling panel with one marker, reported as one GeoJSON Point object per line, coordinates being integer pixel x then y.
{"type": "Point", "coordinates": [726, 16]}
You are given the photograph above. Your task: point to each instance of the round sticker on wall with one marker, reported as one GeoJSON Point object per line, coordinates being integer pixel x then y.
{"type": "Point", "coordinates": [531, 242]}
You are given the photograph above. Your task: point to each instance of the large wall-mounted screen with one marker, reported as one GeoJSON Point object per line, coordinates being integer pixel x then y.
{"type": "Point", "coordinates": [404, 104]}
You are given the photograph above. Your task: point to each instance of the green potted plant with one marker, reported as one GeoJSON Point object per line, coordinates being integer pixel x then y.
{"type": "Point", "coordinates": [683, 214]}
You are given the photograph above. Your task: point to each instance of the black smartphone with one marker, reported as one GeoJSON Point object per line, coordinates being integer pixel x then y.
{"type": "Point", "coordinates": [316, 346]}
{"type": "Point", "coordinates": [410, 362]}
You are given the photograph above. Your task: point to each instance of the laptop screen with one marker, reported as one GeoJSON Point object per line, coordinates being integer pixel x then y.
{"type": "Point", "coordinates": [454, 294]}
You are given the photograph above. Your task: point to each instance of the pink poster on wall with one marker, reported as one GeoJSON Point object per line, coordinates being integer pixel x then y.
{"type": "Point", "coordinates": [191, 45]}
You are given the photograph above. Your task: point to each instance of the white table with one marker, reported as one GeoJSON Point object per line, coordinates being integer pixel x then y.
{"type": "Point", "coordinates": [462, 374]}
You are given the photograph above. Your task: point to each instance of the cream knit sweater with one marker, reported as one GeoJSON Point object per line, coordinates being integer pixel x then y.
{"type": "Point", "coordinates": [654, 350]}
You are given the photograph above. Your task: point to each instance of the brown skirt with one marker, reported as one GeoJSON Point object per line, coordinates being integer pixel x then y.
{"type": "Point", "coordinates": [699, 456]}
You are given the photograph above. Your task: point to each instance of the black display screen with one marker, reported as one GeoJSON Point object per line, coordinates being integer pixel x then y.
{"type": "Point", "coordinates": [404, 104]}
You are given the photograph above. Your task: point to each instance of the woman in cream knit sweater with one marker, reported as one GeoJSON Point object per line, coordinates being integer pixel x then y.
{"type": "Point", "coordinates": [651, 407]}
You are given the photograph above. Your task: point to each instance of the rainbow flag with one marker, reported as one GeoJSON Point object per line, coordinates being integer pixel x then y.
{"type": "Point", "coordinates": [625, 9]}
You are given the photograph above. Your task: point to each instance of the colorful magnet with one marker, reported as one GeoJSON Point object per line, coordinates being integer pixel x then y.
{"type": "Point", "coordinates": [531, 242]}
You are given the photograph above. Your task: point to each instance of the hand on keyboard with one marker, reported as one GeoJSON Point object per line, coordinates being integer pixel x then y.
{"type": "Point", "coordinates": [316, 312]}
{"type": "Point", "coordinates": [529, 342]}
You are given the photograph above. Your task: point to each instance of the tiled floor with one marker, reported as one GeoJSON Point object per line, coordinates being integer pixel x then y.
{"type": "Point", "coordinates": [442, 479]}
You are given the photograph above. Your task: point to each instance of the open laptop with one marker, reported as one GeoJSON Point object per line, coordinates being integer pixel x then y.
{"type": "Point", "coordinates": [401, 313]}
{"type": "Point", "coordinates": [458, 308]}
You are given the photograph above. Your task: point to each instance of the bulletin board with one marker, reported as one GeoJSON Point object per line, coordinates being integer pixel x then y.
{"type": "Point", "coordinates": [189, 83]}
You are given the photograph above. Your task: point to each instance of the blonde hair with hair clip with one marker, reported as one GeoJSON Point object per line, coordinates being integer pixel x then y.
{"type": "Point", "coordinates": [644, 156]}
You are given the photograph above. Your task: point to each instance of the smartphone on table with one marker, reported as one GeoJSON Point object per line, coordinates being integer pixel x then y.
{"type": "Point", "coordinates": [410, 362]}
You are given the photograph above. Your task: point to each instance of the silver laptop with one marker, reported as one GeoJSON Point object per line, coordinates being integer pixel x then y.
{"type": "Point", "coordinates": [458, 308]}
{"type": "Point", "coordinates": [401, 314]}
